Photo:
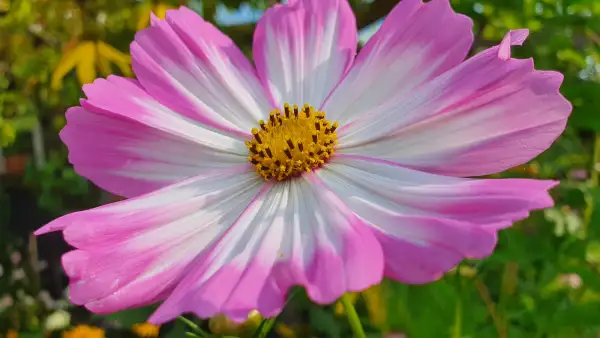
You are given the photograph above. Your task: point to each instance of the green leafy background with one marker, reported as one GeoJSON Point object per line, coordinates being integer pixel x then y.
{"type": "Point", "coordinates": [542, 281]}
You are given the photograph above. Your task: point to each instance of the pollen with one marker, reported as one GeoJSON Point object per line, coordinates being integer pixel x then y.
{"type": "Point", "coordinates": [291, 142]}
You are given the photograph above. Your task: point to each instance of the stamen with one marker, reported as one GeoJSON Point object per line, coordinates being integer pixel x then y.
{"type": "Point", "coordinates": [291, 142]}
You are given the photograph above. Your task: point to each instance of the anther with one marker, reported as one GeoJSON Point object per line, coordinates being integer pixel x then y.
{"type": "Point", "coordinates": [263, 126]}
{"type": "Point", "coordinates": [314, 137]}
{"type": "Point", "coordinates": [317, 125]}
{"type": "Point", "coordinates": [269, 151]}
{"type": "Point", "coordinates": [296, 110]}
{"type": "Point", "coordinates": [286, 108]}
{"type": "Point", "coordinates": [287, 153]}
{"type": "Point", "coordinates": [334, 126]}
{"type": "Point", "coordinates": [307, 110]}
{"type": "Point", "coordinates": [289, 142]}
{"type": "Point", "coordinates": [256, 136]}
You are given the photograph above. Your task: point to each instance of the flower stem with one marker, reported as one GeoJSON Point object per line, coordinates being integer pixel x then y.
{"type": "Point", "coordinates": [353, 317]}
{"type": "Point", "coordinates": [265, 327]}
{"type": "Point", "coordinates": [198, 332]}
{"type": "Point", "coordinates": [594, 178]}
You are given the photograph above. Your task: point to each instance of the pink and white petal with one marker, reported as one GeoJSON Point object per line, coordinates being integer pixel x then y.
{"type": "Point", "coordinates": [484, 116]}
{"type": "Point", "coordinates": [303, 48]}
{"type": "Point", "coordinates": [293, 233]}
{"type": "Point", "coordinates": [155, 238]}
{"type": "Point", "coordinates": [191, 67]}
{"type": "Point", "coordinates": [427, 223]}
{"type": "Point", "coordinates": [416, 42]}
{"type": "Point", "coordinates": [129, 144]}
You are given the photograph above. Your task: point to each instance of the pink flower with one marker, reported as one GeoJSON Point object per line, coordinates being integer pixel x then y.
{"type": "Point", "coordinates": [221, 220]}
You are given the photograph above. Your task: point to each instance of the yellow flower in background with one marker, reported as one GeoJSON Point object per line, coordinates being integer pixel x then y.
{"type": "Point", "coordinates": [339, 307]}
{"type": "Point", "coordinates": [374, 302]}
{"type": "Point", "coordinates": [285, 331]}
{"type": "Point", "coordinates": [84, 331]}
{"type": "Point", "coordinates": [12, 334]}
{"type": "Point", "coordinates": [145, 330]}
{"type": "Point", "coordinates": [86, 57]}
{"type": "Point", "coordinates": [376, 306]}
{"type": "Point", "coordinates": [4, 7]}
{"type": "Point", "coordinates": [144, 11]}
{"type": "Point", "coordinates": [224, 326]}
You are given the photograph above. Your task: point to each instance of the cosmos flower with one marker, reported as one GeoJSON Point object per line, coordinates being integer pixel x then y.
{"type": "Point", "coordinates": [315, 167]}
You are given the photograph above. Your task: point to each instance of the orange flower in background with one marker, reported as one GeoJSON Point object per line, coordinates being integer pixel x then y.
{"type": "Point", "coordinates": [84, 331]}
{"type": "Point", "coordinates": [145, 330]}
{"type": "Point", "coordinates": [12, 334]}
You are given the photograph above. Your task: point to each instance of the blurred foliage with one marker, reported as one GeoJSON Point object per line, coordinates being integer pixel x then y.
{"type": "Point", "coordinates": [543, 280]}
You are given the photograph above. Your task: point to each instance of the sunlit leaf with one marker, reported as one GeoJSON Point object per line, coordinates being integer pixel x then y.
{"type": "Point", "coordinates": [108, 52]}
{"type": "Point", "coordinates": [86, 64]}
{"type": "Point", "coordinates": [143, 16]}
{"type": "Point", "coordinates": [67, 63]}
{"type": "Point", "coordinates": [161, 10]}
{"type": "Point", "coordinates": [375, 302]}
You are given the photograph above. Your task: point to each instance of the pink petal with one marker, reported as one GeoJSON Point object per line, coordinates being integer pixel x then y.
{"type": "Point", "coordinates": [294, 233]}
{"type": "Point", "coordinates": [415, 43]}
{"type": "Point", "coordinates": [129, 144]}
{"type": "Point", "coordinates": [427, 223]}
{"type": "Point", "coordinates": [484, 116]}
{"type": "Point", "coordinates": [516, 37]}
{"type": "Point", "coordinates": [191, 67]}
{"type": "Point", "coordinates": [303, 48]}
{"type": "Point", "coordinates": [135, 252]}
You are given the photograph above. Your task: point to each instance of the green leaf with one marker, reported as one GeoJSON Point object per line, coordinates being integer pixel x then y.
{"type": "Point", "coordinates": [129, 317]}
{"type": "Point", "coordinates": [581, 316]}
{"type": "Point", "coordinates": [323, 321]}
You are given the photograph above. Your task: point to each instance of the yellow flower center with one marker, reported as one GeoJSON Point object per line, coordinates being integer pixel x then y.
{"type": "Point", "coordinates": [291, 142]}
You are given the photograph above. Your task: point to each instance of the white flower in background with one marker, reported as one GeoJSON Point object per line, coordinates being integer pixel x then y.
{"type": "Point", "coordinates": [15, 257]}
{"type": "Point", "coordinates": [5, 302]}
{"type": "Point", "coordinates": [1, 270]}
{"type": "Point", "coordinates": [58, 320]}
{"type": "Point", "coordinates": [18, 274]}
{"type": "Point", "coordinates": [61, 304]}
{"type": "Point", "coordinates": [572, 280]}
{"type": "Point", "coordinates": [28, 300]}
{"type": "Point", "coordinates": [42, 265]}
{"type": "Point", "coordinates": [47, 299]}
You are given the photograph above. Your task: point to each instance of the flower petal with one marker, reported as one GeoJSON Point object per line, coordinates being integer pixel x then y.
{"type": "Point", "coordinates": [129, 144]}
{"type": "Point", "coordinates": [415, 43]}
{"type": "Point", "coordinates": [427, 223]}
{"type": "Point", "coordinates": [133, 253]}
{"type": "Point", "coordinates": [484, 116]}
{"type": "Point", "coordinates": [303, 48]}
{"type": "Point", "coordinates": [294, 233]}
{"type": "Point", "coordinates": [191, 67]}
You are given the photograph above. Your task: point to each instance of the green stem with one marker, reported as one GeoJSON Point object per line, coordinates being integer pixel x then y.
{"type": "Point", "coordinates": [265, 327]}
{"type": "Point", "coordinates": [589, 199]}
{"type": "Point", "coordinates": [596, 159]}
{"type": "Point", "coordinates": [197, 330]}
{"type": "Point", "coordinates": [353, 317]}
{"type": "Point", "coordinates": [594, 178]}
{"type": "Point", "coordinates": [457, 330]}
